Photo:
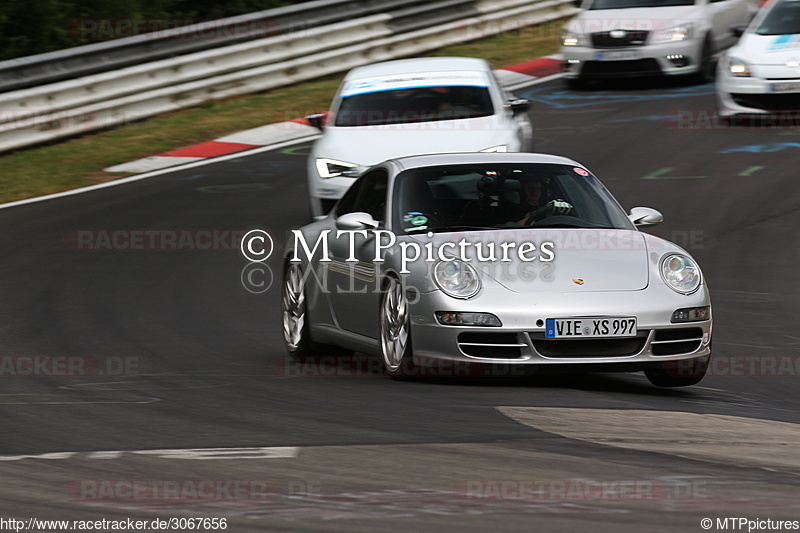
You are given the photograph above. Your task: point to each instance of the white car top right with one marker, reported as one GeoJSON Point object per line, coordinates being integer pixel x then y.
{"type": "Point", "coordinates": [625, 38]}
{"type": "Point", "coordinates": [760, 75]}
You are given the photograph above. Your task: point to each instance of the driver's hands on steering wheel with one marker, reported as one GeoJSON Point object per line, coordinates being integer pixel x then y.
{"type": "Point", "coordinates": [553, 207]}
{"type": "Point", "coordinates": [559, 207]}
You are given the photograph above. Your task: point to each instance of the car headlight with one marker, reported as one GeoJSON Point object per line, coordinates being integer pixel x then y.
{"type": "Point", "coordinates": [681, 273]}
{"type": "Point", "coordinates": [572, 38]}
{"type": "Point", "coordinates": [457, 278]}
{"type": "Point", "coordinates": [738, 68]}
{"type": "Point", "coordinates": [499, 148]}
{"type": "Point", "coordinates": [678, 33]}
{"type": "Point", "coordinates": [331, 168]}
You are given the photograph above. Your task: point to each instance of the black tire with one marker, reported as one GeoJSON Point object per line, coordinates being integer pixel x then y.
{"type": "Point", "coordinates": [679, 373]}
{"type": "Point", "coordinates": [575, 84]}
{"type": "Point", "coordinates": [394, 336]}
{"type": "Point", "coordinates": [706, 72]}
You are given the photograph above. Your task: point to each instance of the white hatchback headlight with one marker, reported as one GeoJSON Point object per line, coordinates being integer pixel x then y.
{"type": "Point", "coordinates": [457, 278]}
{"type": "Point", "coordinates": [678, 33]}
{"type": "Point", "coordinates": [331, 168]}
{"type": "Point", "coordinates": [681, 273]}
{"type": "Point", "coordinates": [738, 68]}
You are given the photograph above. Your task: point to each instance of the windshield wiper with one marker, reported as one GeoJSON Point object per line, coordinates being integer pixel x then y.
{"type": "Point", "coordinates": [564, 225]}
{"type": "Point", "coordinates": [460, 227]}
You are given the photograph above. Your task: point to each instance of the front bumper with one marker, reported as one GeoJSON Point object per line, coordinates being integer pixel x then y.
{"type": "Point", "coordinates": [651, 60]}
{"type": "Point", "coordinates": [755, 96]}
{"type": "Point", "coordinates": [520, 340]}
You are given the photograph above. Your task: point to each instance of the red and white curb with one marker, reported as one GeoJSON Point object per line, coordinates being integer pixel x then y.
{"type": "Point", "coordinates": [510, 77]}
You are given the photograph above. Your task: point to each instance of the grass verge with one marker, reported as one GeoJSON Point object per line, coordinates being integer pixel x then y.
{"type": "Point", "coordinates": [79, 162]}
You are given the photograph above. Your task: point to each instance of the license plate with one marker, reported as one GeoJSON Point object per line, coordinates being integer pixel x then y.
{"type": "Point", "coordinates": [616, 55]}
{"type": "Point", "coordinates": [788, 87]}
{"type": "Point", "coordinates": [590, 327]}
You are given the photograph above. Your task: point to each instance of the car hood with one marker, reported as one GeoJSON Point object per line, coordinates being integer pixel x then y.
{"type": "Point", "coordinates": [584, 260]}
{"type": "Point", "coordinates": [369, 145]}
{"type": "Point", "coordinates": [633, 18]}
{"type": "Point", "coordinates": [767, 49]}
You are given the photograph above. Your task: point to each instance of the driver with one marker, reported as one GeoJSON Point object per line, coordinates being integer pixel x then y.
{"type": "Point", "coordinates": [531, 207]}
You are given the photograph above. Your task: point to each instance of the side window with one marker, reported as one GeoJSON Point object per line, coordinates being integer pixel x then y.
{"type": "Point", "coordinates": [367, 195]}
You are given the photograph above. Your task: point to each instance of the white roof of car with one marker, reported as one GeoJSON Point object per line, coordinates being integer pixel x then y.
{"type": "Point", "coordinates": [467, 158]}
{"type": "Point", "coordinates": [421, 64]}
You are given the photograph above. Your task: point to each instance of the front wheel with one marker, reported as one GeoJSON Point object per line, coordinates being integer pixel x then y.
{"type": "Point", "coordinates": [706, 71]}
{"type": "Point", "coordinates": [395, 331]}
{"type": "Point", "coordinates": [678, 373]}
{"type": "Point", "coordinates": [575, 84]}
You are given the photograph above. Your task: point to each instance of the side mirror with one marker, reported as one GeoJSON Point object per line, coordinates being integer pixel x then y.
{"type": "Point", "coordinates": [317, 120]}
{"type": "Point", "coordinates": [644, 217]}
{"type": "Point", "coordinates": [356, 221]}
{"type": "Point", "coordinates": [518, 105]}
{"type": "Point", "coordinates": [738, 29]}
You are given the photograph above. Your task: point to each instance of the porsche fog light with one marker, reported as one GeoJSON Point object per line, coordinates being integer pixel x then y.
{"type": "Point", "coordinates": [680, 273]}
{"type": "Point", "coordinates": [691, 314]}
{"type": "Point", "coordinates": [456, 278]}
{"type": "Point", "coordinates": [450, 318]}
{"type": "Point", "coordinates": [331, 168]}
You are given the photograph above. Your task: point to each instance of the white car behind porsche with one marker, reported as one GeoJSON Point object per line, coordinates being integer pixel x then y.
{"type": "Point", "coordinates": [408, 107]}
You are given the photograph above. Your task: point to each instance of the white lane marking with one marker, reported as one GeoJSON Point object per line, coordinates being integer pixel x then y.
{"type": "Point", "coordinates": [535, 81]}
{"type": "Point", "coordinates": [145, 385]}
{"type": "Point", "coordinates": [260, 136]}
{"type": "Point", "coordinates": [49, 456]}
{"type": "Point", "coordinates": [200, 454]}
{"type": "Point", "coordinates": [41, 399]}
{"type": "Point", "coordinates": [105, 455]}
{"type": "Point", "coordinates": [203, 454]}
{"type": "Point", "coordinates": [154, 162]}
{"type": "Point", "coordinates": [154, 173]}
{"type": "Point", "coordinates": [715, 438]}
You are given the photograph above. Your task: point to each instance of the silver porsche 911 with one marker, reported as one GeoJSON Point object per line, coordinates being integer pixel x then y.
{"type": "Point", "coordinates": [460, 260]}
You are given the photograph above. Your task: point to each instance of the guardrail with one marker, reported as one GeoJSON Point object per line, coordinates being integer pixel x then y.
{"type": "Point", "coordinates": [111, 99]}
{"type": "Point", "coordinates": [104, 56]}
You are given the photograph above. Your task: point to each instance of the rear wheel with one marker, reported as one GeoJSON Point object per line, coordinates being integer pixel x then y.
{"type": "Point", "coordinates": [678, 373]}
{"type": "Point", "coordinates": [395, 331]}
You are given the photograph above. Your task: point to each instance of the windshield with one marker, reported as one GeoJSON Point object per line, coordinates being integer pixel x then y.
{"type": "Point", "coordinates": [420, 97]}
{"type": "Point", "coordinates": [505, 195]}
{"type": "Point", "coordinates": [784, 19]}
{"type": "Point", "coordinates": [626, 4]}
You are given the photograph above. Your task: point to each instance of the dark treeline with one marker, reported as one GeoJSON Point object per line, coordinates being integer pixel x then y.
{"type": "Point", "coordinates": [29, 27]}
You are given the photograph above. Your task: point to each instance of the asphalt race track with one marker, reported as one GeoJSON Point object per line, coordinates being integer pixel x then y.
{"type": "Point", "coordinates": [176, 371]}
